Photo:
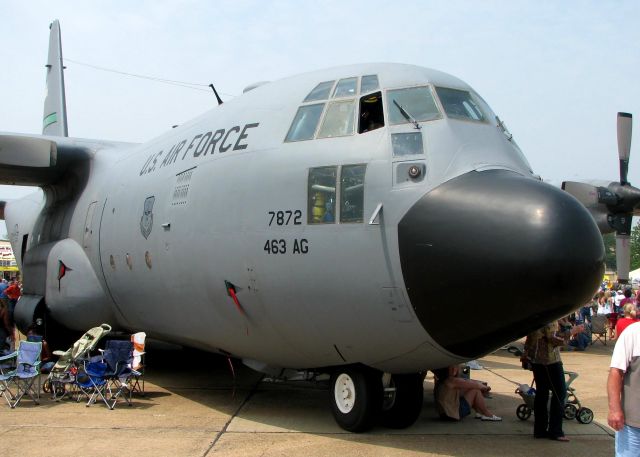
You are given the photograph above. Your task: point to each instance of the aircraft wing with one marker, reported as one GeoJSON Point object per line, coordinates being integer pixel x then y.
{"type": "Point", "coordinates": [38, 160]}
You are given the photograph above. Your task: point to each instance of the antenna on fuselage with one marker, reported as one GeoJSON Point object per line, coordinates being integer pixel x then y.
{"type": "Point", "coordinates": [216, 92]}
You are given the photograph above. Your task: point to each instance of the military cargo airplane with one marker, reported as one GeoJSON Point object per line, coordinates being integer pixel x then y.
{"type": "Point", "coordinates": [320, 223]}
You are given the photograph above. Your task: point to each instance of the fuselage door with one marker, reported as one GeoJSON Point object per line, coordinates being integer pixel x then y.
{"type": "Point", "coordinates": [88, 226]}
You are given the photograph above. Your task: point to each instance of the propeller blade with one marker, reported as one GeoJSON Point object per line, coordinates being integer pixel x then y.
{"type": "Point", "coordinates": [584, 193]}
{"type": "Point", "coordinates": [624, 143]}
{"type": "Point", "coordinates": [623, 257]}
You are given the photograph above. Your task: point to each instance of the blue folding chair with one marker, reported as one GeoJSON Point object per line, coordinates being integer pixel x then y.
{"type": "Point", "coordinates": [21, 376]}
{"type": "Point", "coordinates": [92, 382]}
{"type": "Point", "coordinates": [118, 355]}
{"type": "Point", "coordinates": [110, 378]}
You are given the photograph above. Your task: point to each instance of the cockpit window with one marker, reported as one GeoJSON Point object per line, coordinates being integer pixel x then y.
{"type": "Point", "coordinates": [346, 87]}
{"type": "Point", "coordinates": [412, 105]}
{"type": "Point", "coordinates": [320, 92]}
{"type": "Point", "coordinates": [459, 104]}
{"type": "Point", "coordinates": [369, 83]}
{"type": "Point", "coordinates": [339, 119]}
{"type": "Point", "coordinates": [305, 123]}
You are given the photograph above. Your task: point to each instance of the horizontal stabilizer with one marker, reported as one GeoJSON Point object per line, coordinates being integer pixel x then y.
{"type": "Point", "coordinates": [24, 151]}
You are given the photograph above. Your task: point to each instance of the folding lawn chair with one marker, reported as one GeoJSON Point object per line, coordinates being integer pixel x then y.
{"type": "Point", "coordinates": [92, 382]}
{"type": "Point", "coordinates": [118, 355]}
{"type": "Point", "coordinates": [110, 378]}
{"type": "Point", "coordinates": [137, 380]}
{"type": "Point", "coordinates": [599, 328]}
{"type": "Point", "coordinates": [24, 376]}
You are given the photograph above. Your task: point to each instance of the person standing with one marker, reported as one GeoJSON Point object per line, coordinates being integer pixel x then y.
{"type": "Point", "coordinates": [13, 293]}
{"type": "Point", "coordinates": [628, 319]}
{"type": "Point", "coordinates": [4, 301]}
{"type": "Point", "coordinates": [542, 349]}
{"type": "Point", "coordinates": [623, 391]}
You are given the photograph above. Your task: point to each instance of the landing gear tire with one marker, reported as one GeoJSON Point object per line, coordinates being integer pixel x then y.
{"type": "Point", "coordinates": [402, 403]}
{"type": "Point", "coordinates": [356, 397]}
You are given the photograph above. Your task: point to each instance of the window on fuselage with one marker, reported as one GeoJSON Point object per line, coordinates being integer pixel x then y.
{"type": "Point", "coordinates": [459, 104]}
{"type": "Point", "coordinates": [321, 192]}
{"type": "Point", "coordinates": [352, 193]}
{"type": "Point", "coordinates": [413, 103]}
{"type": "Point", "coordinates": [371, 113]}
{"type": "Point", "coordinates": [305, 123]}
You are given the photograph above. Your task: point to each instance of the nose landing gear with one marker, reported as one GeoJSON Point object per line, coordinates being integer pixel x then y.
{"type": "Point", "coordinates": [362, 396]}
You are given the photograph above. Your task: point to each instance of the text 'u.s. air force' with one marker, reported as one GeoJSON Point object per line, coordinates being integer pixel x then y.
{"type": "Point", "coordinates": [222, 140]}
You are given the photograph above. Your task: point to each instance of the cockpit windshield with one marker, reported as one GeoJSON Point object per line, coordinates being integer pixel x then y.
{"type": "Point", "coordinates": [414, 104]}
{"type": "Point", "coordinates": [459, 104]}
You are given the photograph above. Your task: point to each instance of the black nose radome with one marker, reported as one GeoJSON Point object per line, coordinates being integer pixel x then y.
{"type": "Point", "coordinates": [489, 256]}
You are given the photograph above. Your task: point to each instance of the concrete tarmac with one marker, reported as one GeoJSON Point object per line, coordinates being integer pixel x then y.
{"type": "Point", "coordinates": [194, 407]}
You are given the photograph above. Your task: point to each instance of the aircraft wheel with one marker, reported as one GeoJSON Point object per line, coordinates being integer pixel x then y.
{"type": "Point", "coordinates": [523, 412]}
{"type": "Point", "coordinates": [570, 411]}
{"type": "Point", "coordinates": [585, 416]}
{"type": "Point", "coordinates": [402, 406]}
{"type": "Point", "coordinates": [356, 397]}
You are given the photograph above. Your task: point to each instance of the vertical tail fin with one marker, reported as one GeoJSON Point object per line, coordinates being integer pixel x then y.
{"type": "Point", "coordinates": [55, 105]}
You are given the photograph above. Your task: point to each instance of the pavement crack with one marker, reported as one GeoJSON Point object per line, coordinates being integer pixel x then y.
{"type": "Point", "coordinates": [233, 416]}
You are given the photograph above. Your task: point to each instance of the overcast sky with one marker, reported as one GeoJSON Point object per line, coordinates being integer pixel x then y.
{"type": "Point", "coordinates": [556, 72]}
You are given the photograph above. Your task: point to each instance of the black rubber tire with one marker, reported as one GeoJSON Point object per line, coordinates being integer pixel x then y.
{"type": "Point", "coordinates": [570, 411]}
{"type": "Point", "coordinates": [46, 386]}
{"type": "Point", "coordinates": [584, 416]}
{"type": "Point", "coordinates": [367, 398]}
{"type": "Point", "coordinates": [406, 405]}
{"type": "Point", "coordinates": [523, 412]}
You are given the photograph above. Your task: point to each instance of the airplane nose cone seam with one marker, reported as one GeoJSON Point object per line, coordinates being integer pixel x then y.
{"type": "Point", "coordinates": [490, 255]}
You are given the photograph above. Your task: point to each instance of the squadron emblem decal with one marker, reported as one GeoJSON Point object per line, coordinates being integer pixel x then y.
{"type": "Point", "coordinates": [146, 221]}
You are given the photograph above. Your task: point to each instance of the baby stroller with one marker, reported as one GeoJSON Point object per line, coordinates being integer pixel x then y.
{"type": "Point", "coordinates": [65, 371]}
{"type": "Point", "coordinates": [572, 407]}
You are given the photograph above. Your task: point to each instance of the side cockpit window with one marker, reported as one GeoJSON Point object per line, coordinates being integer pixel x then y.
{"type": "Point", "coordinates": [305, 123]}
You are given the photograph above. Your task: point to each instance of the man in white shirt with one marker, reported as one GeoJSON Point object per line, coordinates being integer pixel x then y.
{"type": "Point", "coordinates": [623, 390]}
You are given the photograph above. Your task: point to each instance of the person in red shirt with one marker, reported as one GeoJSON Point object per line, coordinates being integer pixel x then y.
{"type": "Point", "coordinates": [13, 292]}
{"type": "Point", "coordinates": [628, 319]}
